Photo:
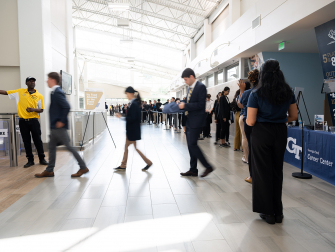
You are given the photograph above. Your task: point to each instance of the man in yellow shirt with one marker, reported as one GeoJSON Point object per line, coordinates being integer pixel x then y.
{"type": "Point", "coordinates": [29, 104]}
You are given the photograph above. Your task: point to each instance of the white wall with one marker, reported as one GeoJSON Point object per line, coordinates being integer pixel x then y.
{"type": "Point", "coordinates": [9, 53]}
{"type": "Point", "coordinates": [221, 24]}
{"type": "Point", "coordinates": [245, 5]}
{"type": "Point", "coordinates": [200, 45]}
{"type": "Point", "coordinates": [242, 37]}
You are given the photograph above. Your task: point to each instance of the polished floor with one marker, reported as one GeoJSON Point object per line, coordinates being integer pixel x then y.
{"type": "Point", "coordinates": [158, 210]}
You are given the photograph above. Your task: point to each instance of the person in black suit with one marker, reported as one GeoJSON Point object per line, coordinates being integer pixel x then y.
{"type": "Point", "coordinates": [133, 127]}
{"type": "Point", "coordinates": [195, 111]}
{"type": "Point", "coordinates": [158, 108]}
{"type": "Point", "coordinates": [58, 111]}
{"type": "Point", "coordinates": [224, 116]}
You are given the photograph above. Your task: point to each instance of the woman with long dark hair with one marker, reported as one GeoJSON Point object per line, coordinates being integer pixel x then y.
{"type": "Point", "coordinates": [133, 127]}
{"type": "Point", "coordinates": [267, 113]}
{"type": "Point", "coordinates": [224, 115]}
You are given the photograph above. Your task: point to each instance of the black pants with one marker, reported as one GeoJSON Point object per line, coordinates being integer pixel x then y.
{"type": "Point", "coordinates": [192, 136]}
{"type": "Point", "coordinates": [31, 127]}
{"type": "Point", "coordinates": [248, 131]}
{"type": "Point", "coordinates": [207, 129]}
{"type": "Point", "coordinates": [160, 115]}
{"type": "Point", "coordinates": [268, 144]}
{"type": "Point", "coordinates": [218, 130]}
{"type": "Point", "coordinates": [224, 130]}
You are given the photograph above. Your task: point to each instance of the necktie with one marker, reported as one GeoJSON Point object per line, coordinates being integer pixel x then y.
{"type": "Point", "coordinates": [188, 98]}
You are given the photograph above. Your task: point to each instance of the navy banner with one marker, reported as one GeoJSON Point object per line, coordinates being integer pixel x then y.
{"type": "Point", "coordinates": [325, 35]}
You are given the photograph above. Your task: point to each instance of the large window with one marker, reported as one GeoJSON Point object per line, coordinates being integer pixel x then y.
{"type": "Point", "coordinates": [220, 77]}
{"type": "Point", "coordinates": [233, 72]}
{"type": "Point", "coordinates": [210, 81]}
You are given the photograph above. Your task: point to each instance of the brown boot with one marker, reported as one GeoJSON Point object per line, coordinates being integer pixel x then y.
{"type": "Point", "coordinates": [80, 172]}
{"type": "Point", "coordinates": [44, 174]}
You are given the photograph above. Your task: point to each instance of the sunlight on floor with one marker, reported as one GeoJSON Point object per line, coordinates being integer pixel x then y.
{"type": "Point", "coordinates": [132, 236]}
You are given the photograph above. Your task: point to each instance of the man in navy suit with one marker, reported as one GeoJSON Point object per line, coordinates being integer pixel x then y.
{"type": "Point", "coordinates": [58, 111]}
{"type": "Point", "coordinates": [195, 110]}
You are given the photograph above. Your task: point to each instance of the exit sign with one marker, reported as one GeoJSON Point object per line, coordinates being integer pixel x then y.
{"type": "Point", "coordinates": [281, 46]}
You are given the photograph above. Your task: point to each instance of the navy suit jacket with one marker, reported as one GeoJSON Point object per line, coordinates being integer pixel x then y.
{"type": "Point", "coordinates": [133, 122]}
{"type": "Point", "coordinates": [59, 108]}
{"type": "Point", "coordinates": [197, 107]}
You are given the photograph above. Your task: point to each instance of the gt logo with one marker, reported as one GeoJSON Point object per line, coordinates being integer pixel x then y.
{"type": "Point", "coordinates": [295, 148]}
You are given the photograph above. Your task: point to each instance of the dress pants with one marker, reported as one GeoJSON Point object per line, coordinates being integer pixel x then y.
{"type": "Point", "coordinates": [32, 127]}
{"type": "Point", "coordinates": [125, 155]}
{"type": "Point", "coordinates": [268, 144]}
{"type": "Point", "coordinates": [207, 129]}
{"type": "Point", "coordinates": [238, 133]}
{"type": "Point", "coordinates": [60, 137]}
{"type": "Point", "coordinates": [224, 130]}
{"type": "Point", "coordinates": [218, 130]}
{"type": "Point", "coordinates": [192, 136]}
{"type": "Point", "coordinates": [244, 140]}
{"type": "Point", "coordinates": [248, 131]}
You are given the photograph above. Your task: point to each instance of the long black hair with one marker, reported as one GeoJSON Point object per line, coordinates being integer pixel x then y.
{"type": "Point", "coordinates": [136, 93]}
{"type": "Point", "coordinates": [272, 84]}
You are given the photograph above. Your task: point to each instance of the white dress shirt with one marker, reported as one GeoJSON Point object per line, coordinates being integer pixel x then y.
{"type": "Point", "coordinates": [209, 105]}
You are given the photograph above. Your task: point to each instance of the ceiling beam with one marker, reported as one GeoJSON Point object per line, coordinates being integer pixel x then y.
{"type": "Point", "coordinates": [133, 21]}
{"type": "Point", "coordinates": [119, 56]}
{"type": "Point", "coordinates": [139, 32]}
{"type": "Point", "coordinates": [152, 14]}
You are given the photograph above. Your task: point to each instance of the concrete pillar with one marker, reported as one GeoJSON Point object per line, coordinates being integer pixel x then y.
{"type": "Point", "coordinates": [234, 11]}
{"type": "Point", "coordinates": [45, 44]}
{"type": "Point", "coordinates": [207, 33]}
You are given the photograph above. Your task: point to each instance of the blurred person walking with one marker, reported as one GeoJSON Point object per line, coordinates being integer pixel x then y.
{"type": "Point", "coordinates": [58, 112]}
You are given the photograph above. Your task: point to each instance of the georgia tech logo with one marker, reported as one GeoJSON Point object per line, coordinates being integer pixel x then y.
{"type": "Point", "coordinates": [295, 148]}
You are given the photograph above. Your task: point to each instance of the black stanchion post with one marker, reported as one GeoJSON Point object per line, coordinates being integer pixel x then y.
{"type": "Point", "coordinates": [82, 142]}
{"type": "Point", "coordinates": [301, 174]}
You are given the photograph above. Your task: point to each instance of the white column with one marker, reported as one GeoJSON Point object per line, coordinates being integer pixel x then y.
{"type": "Point", "coordinates": [35, 50]}
{"type": "Point", "coordinates": [234, 11]}
{"type": "Point", "coordinates": [45, 44]}
{"type": "Point", "coordinates": [207, 33]}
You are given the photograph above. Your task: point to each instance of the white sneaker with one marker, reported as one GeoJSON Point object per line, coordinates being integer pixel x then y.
{"type": "Point", "coordinates": [243, 159]}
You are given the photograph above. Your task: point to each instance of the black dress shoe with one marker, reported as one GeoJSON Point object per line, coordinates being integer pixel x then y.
{"type": "Point", "coordinates": [30, 163]}
{"type": "Point", "coordinates": [43, 162]}
{"type": "Point", "coordinates": [189, 174]}
{"type": "Point", "coordinates": [279, 218]}
{"type": "Point", "coordinates": [146, 168]}
{"type": "Point", "coordinates": [120, 169]}
{"type": "Point", "coordinates": [270, 219]}
{"type": "Point", "coordinates": [200, 138]}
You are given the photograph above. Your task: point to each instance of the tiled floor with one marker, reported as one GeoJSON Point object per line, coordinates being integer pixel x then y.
{"type": "Point", "coordinates": [158, 210]}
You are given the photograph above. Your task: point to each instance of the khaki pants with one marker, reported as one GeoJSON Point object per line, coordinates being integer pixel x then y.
{"type": "Point", "coordinates": [125, 156]}
{"type": "Point", "coordinates": [238, 133]}
{"type": "Point", "coordinates": [244, 140]}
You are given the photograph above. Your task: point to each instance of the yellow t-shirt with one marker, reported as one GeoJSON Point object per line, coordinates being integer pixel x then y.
{"type": "Point", "coordinates": [26, 100]}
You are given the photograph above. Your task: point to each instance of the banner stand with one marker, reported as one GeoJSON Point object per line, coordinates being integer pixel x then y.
{"type": "Point", "coordinates": [88, 118]}
{"type": "Point", "coordinates": [301, 174]}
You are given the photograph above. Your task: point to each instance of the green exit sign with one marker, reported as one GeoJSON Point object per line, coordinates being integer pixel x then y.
{"type": "Point", "coordinates": [281, 46]}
